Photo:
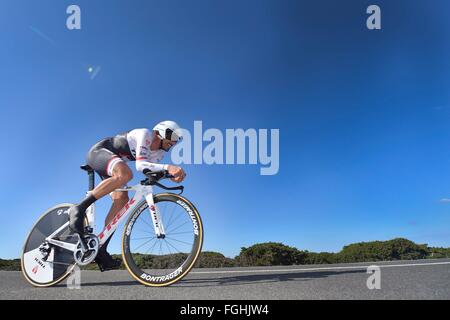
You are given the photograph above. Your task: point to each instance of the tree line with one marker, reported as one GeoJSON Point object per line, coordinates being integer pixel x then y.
{"type": "Point", "coordinates": [275, 254]}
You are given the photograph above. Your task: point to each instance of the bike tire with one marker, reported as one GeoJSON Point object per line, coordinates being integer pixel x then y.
{"type": "Point", "coordinates": [159, 281]}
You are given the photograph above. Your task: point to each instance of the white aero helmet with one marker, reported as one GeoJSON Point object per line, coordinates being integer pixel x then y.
{"type": "Point", "coordinates": [169, 130]}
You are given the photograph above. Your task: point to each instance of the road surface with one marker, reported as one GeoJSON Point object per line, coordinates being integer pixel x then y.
{"type": "Point", "coordinates": [424, 279]}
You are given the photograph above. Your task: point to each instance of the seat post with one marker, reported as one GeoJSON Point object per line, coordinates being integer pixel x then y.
{"type": "Point", "coordinates": [91, 175]}
{"type": "Point", "coordinates": [91, 180]}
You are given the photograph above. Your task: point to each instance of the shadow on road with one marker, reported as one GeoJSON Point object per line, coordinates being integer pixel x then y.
{"type": "Point", "coordinates": [189, 281]}
{"type": "Point", "coordinates": [263, 278]}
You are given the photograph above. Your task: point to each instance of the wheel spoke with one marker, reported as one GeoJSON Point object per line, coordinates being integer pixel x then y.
{"type": "Point", "coordinates": [144, 243]}
{"type": "Point", "coordinates": [180, 241]}
{"type": "Point", "coordinates": [150, 250]}
{"type": "Point", "coordinates": [171, 215]}
{"type": "Point", "coordinates": [143, 220]}
{"type": "Point", "coordinates": [173, 246]}
{"type": "Point", "coordinates": [144, 231]}
{"type": "Point", "coordinates": [141, 238]}
{"type": "Point", "coordinates": [181, 233]}
{"type": "Point", "coordinates": [177, 227]}
{"type": "Point", "coordinates": [167, 246]}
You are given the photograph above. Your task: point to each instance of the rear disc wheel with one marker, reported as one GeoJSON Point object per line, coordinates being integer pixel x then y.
{"type": "Point", "coordinates": [42, 264]}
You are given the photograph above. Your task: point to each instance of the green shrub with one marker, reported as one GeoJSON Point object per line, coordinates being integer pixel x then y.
{"type": "Point", "coordinates": [10, 265]}
{"type": "Point", "coordinates": [270, 254]}
{"type": "Point", "coordinates": [439, 253]}
{"type": "Point", "coordinates": [209, 259]}
{"type": "Point", "coordinates": [320, 258]}
{"type": "Point", "coordinates": [396, 249]}
{"type": "Point", "coordinates": [273, 254]}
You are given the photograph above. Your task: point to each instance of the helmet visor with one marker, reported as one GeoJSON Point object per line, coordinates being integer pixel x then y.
{"type": "Point", "coordinates": [172, 135]}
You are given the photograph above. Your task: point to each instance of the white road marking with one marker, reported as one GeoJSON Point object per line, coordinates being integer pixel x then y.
{"type": "Point", "coordinates": [321, 269]}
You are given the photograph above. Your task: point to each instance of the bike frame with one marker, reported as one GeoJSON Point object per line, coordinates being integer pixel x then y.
{"type": "Point", "coordinates": [142, 193]}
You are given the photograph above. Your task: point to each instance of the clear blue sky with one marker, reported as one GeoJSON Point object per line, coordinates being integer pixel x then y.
{"type": "Point", "coordinates": [363, 115]}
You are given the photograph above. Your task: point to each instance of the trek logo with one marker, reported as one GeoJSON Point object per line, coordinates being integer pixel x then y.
{"type": "Point", "coordinates": [35, 269]}
{"type": "Point", "coordinates": [116, 218]}
{"type": "Point", "coordinates": [61, 211]}
{"type": "Point", "coordinates": [155, 217]}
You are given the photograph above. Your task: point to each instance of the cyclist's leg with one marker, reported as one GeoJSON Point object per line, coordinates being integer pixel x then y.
{"type": "Point", "coordinates": [113, 170]}
{"type": "Point", "coordinates": [108, 165]}
{"type": "Point", "coordinates": [120, 175]}
{"type": "Point", "coordinates": [115, 174]}
{"type": "Point", "coordinates": [104, 259]}
{"type": "Point", "coordinates": [120, 199]}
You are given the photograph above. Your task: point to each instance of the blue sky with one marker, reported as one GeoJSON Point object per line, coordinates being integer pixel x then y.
{"type": "Point", "coordinates": [363, 115]}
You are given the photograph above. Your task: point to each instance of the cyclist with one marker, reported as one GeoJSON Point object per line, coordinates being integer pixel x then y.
{"type": "Point", "coordinates": [108, 158]}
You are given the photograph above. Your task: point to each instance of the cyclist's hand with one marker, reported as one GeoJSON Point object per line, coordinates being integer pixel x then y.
{"type": "Point", "coordinates": [177, 172]}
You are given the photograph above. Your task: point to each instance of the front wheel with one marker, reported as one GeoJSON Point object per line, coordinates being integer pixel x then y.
{"type": "Point", "coordinates": [157, 261]}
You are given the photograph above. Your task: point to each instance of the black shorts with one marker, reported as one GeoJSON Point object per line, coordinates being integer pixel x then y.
{"type": "Point", "coordinates": [102, 158]}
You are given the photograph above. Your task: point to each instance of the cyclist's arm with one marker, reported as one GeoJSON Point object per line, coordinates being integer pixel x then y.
{"type": "Point", "coordinates": [143, 141]}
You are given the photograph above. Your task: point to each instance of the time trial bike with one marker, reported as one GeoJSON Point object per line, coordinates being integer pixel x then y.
{"type": "Point", "coordinates": [162, 238]}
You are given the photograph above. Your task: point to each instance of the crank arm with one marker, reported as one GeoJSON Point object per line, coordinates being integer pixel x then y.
{"type": "Point", "coordinates": [62, 244]}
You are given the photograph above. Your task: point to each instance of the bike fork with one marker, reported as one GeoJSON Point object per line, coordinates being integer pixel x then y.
{"type": "Point", "coordinates": [156, 217]}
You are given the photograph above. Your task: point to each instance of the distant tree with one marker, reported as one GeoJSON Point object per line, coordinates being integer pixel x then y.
{"type": "Point", "coordinates": [274, 253]}
{"type": "Point", "coordinates": [210, 259]}
{"type": "Point", "coordinates": [320, 258]}
{"type": "Point", "coordinates": [439, 253]}
{"type": "Point", "coordinates": [270, 254]}
{"type": "Point", "coordinates": [396, 249]}
{"type": "Point", "coordinates": [10, 265]}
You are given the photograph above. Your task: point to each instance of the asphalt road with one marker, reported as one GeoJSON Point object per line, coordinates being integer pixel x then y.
{"type": "Point", "coordinates": [425, 279]}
